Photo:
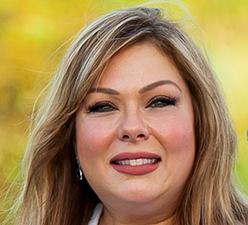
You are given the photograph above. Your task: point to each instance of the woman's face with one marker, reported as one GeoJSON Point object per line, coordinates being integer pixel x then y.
{"type": "Point", "coordinates": [135, 131]}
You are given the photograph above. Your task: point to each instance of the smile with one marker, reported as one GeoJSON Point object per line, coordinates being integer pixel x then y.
{"type": "Point", "coordinates": [139, 163]}
{"type": "Point", "coordinates": [136, 162]}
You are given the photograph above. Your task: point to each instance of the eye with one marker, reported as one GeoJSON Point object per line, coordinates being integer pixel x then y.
{"type": "Point", "coordinates": [101, 107]}
{"type": "Point", "coordinates": [162, 101]}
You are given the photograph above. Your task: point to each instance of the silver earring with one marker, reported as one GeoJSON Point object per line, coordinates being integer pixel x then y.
{"type": "Point", "coordinates": [79, 170]}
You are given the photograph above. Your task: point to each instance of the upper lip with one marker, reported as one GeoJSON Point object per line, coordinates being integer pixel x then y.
{"type": "Point", "coordinates": [134, 155]}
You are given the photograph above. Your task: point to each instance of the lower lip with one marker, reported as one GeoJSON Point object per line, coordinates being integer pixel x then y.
{"type": "Point", "coordinates": [136, 170]}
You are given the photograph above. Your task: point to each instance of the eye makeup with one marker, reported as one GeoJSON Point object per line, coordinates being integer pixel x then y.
{"type": "Point", "coordinates": [101, 107]}
{"type": "Point", "coordinates": [162, 101]}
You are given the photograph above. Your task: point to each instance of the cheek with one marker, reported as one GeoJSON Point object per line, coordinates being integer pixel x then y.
{"type": "Point", "coordinates": [89, 147]}
{"type": "Point", "coordinates": [178, 141]}
{"type": "Point", "coordinates": [182, 137]}
{"type": "Point", "coordinates": [92, 137]}
{"type": "Point", "coordinates": [176, 133]}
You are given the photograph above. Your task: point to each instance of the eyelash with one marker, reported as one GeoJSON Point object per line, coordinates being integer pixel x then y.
{"type": "Point", "coordinates": [101, 107]}
{"type": "Point", "coordinates": [163, 102]}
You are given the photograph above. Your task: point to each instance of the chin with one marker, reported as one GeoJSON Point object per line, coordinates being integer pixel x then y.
{"type": "Point", "coordinates": [140, 194]}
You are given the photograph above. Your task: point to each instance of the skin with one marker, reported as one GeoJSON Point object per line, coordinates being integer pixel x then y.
{"type": "Point", "coordinates": [132, 119]}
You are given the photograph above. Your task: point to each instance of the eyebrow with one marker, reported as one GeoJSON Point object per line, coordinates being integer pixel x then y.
{"type": "Point", "coordinates": [104, 90]}
{"type": "Point", "coordinates": [157, 84]}
{"type": "Point", "coordinates": [149, 87]}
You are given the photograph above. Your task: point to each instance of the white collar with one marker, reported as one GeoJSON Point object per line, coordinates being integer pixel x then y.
{"type": "Point", "coordinates": [94, 220]}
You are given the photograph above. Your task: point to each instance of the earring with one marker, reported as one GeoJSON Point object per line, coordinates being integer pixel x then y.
{"type": "Point", "coordinates": [79, 170]}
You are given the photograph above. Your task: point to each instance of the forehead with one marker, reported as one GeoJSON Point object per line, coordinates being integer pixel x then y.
{"type": "Point", "coordinates": [139, 64]}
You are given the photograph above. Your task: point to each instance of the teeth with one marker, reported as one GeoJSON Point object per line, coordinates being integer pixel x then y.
{"type": "Point", "coordinates": [139, 162]}
{"type": "Point", "coordinates": [136, 162]}
{"type": "Point", "coordinates": [133, 162]}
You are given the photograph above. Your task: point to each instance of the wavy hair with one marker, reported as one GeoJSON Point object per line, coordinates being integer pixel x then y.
{"type": "Point", "coordinates": [53, 195]}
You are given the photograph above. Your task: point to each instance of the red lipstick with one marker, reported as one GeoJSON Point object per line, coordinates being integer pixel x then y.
{"type": "Point", "coordinates": [138, 163]}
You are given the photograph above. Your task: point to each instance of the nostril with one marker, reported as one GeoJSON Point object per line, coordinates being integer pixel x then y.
{"type": "Point", "coordinates": [140, 136]}
{"type": "Point", "coordinates": [133, 137]}
{"type": "Point", "coordinates": [125, 137]}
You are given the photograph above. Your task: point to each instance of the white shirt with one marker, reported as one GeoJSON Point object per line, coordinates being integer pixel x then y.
{"type": "Point", "coordinates": [94, 220]}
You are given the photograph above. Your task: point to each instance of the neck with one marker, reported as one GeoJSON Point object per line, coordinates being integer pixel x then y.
{"type": "Point", "coordinates": [136, 218]}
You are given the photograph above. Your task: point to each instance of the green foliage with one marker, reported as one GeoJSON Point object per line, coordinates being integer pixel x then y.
{"type": "Point", "coordinates": [33, 39]}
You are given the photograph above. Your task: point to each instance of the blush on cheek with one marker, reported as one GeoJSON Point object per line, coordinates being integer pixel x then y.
{"type": "Point", "coordinates": [91, 141]}
{"type": "Point", "coordinates": [181, 139]}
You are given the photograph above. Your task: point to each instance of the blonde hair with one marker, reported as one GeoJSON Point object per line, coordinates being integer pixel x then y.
{"type": "Point", "coordinates": [53, 195]}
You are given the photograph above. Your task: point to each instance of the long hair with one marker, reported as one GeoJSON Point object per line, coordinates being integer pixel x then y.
{"type": "Point", "coordinates": [53, 195]}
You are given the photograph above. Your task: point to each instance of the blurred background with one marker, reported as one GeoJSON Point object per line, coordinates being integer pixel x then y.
{"type": "Point", "coordinates": [34, 36]}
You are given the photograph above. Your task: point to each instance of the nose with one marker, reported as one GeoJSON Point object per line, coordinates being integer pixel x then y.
{"type": "Point", "coordinates": [133, 128]}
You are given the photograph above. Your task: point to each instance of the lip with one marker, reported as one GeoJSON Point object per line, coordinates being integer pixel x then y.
{"type": "Point", "coordinates": [135, 170]}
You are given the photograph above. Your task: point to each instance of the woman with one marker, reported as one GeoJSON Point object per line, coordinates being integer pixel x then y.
{"type": "Point", "coordinates": [134, 128]}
